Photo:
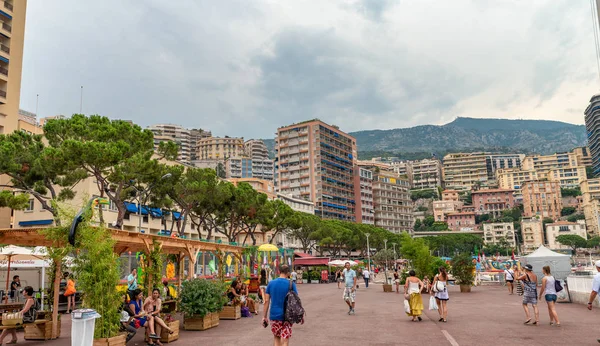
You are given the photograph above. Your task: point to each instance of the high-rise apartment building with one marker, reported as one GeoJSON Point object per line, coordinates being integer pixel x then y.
{"type": "Point", "coordinates": [422, 174]}
{"type": "Point", "coordinates": [12, 37]}
{"type": "Point", "coordinates": [177, 134]}
{"type": "Point", "coordinates": [513, 178]}
{"type": "Point", "coordinates": [532, 233]}
{"type": "Point", "coordinates": [315, 161]}
{"type": "Point", "coordinates": [567, 177]}
{"type": "Point", "coordinates": [592, 125]}
{"type": "Point", "coordinates": [363, 190]}
{"type": "Point", "coordinates": [502, 161]}
{"type": "Point", "coordinates": [590, 193]}
{"type": "Point", "coordinates": [583, 156]}
{"type": "Point", "coordinates": [219, 148]}
{"type": "Point", "coordinates": [262, 166]}
{"type": "Point", "coordinates": [544, 163]}
{"type": "Point", "coordinates": [392, 203]}
{"type": "Point", "coordinates": [462, 171]}
{"type": "Point", "coordinates": [542, 198]}
{"type": "Point", "coordinates": [238, 167]}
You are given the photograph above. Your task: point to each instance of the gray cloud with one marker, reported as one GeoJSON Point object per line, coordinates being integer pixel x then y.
{"type": "Point", "coordinates": [245, 68]}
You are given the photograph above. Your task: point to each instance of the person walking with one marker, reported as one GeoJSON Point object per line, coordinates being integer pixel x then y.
{"type": "Point", "coordinates": [440, 283]}
{"type": "Point", "coordinates": [426, 284]}
{"type": "Point", "coordinates": [509, 277]}
{"type": "Point", "coordinates": [396, 280]}
{"type": "Point", "coordinates": [366, 276]}
{"type": "Point", "coordinates": [70, 293]}
{"type": "Point", "coordinates": [349, 295]}
{"type": "Point", "coordinates": [132, 283]}
{"type": "Point", "coordinates": [412, 290]}
{"type": "Point", "coordinates": [595, 289]}
{"type": "Point", "coordinates": [338, 277]}
{"type": "Point", "coordinates": [549, 291]}
{"type": "Point", "coordinates": [262, 283]}
{"type": "Point", "coordinates": [530, 294]}
{"type": "Point", "coordinates": [275, 295]}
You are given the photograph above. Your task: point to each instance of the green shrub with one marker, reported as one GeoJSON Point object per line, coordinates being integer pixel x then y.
{"type": "Point", "coordinates": [463, 268]}
{"type": "Point", "coordinates": [199, 297]}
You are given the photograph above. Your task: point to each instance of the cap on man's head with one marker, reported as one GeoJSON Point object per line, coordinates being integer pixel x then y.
{"type": "Point", "coordinates": [598, 264]}
{"type": "Point", "coordinates": [528, 267]}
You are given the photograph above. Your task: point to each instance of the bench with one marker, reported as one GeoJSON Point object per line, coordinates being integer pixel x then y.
{"type": "Point", "coordinates": [39, 330]}
{"type": "Point", "coordinates": [23, 324]}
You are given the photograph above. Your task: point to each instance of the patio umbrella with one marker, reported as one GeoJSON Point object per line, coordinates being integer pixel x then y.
{"type": "Point", "coordinates": [337, 263]}
{"type": "Point", "coordinates": [16, 253]}
{"type": "Point", "coordinates": [268, 248]}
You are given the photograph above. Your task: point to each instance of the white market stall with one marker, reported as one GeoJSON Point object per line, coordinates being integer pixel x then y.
{"type": "Point", "coordinates": [560, 265]}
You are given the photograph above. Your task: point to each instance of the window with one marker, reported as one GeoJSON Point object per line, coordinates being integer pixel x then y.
{"type": "Point", "coordinates": [31, 205]}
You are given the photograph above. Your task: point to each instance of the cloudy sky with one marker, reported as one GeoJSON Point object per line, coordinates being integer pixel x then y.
{"type": "Point", "coordinates": [245, 67]}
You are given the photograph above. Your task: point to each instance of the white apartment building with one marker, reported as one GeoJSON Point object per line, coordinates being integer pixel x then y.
{"type": "Point", "coordinates": [363, 186]}
{"type": "Point", "coordinates": [532, 233]}
{"type": "Point", "coordinates": [443, 208]}
{"type": "Point", "coordinates": [567, 177]}
{"type": "Point", "coordinates": [297, 204]}
{"type": "Point", "coordinates": [590, 193]}
{"type": "Point", "coordinates": [497, 232]}
{"type": "Point", "coordinates": [553, 230]}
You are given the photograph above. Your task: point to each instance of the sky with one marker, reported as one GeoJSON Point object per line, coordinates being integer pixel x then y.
{"type": "Point", "coordinates": [246, 67]}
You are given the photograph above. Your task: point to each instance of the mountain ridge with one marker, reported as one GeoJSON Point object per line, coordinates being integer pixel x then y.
{"type": "Point", "coordinates": [473, 134]}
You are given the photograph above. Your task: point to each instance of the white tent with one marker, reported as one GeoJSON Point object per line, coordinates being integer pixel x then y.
{"type": "Point", "coordinates": [560, 265]}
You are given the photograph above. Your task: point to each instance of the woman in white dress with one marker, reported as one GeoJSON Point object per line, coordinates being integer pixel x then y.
{"type": "Point", "coordinates": [440, 283]}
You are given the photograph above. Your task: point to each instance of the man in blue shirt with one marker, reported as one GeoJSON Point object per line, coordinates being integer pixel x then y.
{"type": "Point", "coordinates": [350, 287]}
{"type": "Point", "coordinates": [275, 299]}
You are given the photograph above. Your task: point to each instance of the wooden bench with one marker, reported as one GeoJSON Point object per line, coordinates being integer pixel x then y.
{"type": "Point", "coordinates": [39, 330]}
{"type": "Point", "coordinates": [23, 324]}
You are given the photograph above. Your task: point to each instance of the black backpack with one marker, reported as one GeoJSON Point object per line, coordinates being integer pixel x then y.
{"type": "Point", "coordinates": [557, 286]}
{"type": "Point", "coordinates": [293, 310]}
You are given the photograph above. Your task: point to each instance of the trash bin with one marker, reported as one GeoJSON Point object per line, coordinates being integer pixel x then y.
{"type": "Point", "coordinates": [82, 327]}
{"type": "Point", "coordinates": [389, 280]}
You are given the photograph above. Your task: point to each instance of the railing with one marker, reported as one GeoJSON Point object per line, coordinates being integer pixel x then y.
{"type": "Point", "coordinates": [6, 27]}
{"type": "Point", "coordinates": [3, 71]}
{"type": "Point", "coordinates": [2, 93]}
{"type": "Point", "coordinates": [4, 48]}
{"type": "Point", "coordinates": [8, 5]}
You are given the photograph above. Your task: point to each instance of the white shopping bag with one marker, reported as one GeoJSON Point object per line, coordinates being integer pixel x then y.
{"type": "Point", "coordinates": [432, 303]}
{"type": "Point", "coordinates": [406, 307]}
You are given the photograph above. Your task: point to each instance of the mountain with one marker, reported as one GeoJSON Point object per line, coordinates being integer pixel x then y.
{"type": "Point", "coordinates": [472, 134]}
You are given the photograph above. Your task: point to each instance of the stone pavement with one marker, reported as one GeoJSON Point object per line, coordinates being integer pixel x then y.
{"type": "Point", "coordinates": [486, 316]}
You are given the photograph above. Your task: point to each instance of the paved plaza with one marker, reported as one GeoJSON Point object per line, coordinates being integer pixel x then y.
{"type": "Point", "coordinates": [486, 316]}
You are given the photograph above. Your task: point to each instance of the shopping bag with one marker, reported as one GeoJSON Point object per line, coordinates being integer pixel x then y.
{"type": "Point", "coordinates": [406, 307]}
{"type": "Point", "coordinates": [432, 303]}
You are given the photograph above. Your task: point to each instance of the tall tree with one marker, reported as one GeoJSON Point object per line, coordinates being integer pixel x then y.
{"type": "Point", "coordinates": [572, 240]}
{"type": "Point", "coordinates": [114, 152]}
{"type": "Point", "coordinates": [276, 217]}
{"type": "Point", "coordinates": [37, 170]}
{"type": "Point", "coordinates": [305, 226]}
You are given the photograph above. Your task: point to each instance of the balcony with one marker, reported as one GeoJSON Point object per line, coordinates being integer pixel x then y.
{"type": "Point", "coordinates": [8, 6]}
{"type": "Point", "coordinates": [6, 27]}
{"type": "Point", "coordinates": [2, 97]}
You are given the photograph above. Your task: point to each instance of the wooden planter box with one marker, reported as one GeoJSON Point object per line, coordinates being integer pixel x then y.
{"type": "Point", "coordinates": [40, 330]}
{"type": "Point", "coordinates": [201, 323]}
{"type": "Point", "coordinates": [215, 317]}
{"type": "Point", "coordinates": [387, 288]}
{"type": "Point", "coordinates": [114, 341]}
{"type": "Point", "coordinates": [166, 337]}
{"type": "Point", "coordinates": [231, 313]}
{"type": "Point", "coordinates": [465, 288]}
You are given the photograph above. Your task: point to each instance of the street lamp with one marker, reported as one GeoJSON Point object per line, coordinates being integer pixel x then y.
{"type": "Point", "coordinates": [141, 199]}
{"type": "Point", "coordinates": [386, 264]}
{"type": "Point", "coordinates": [368, 250]}
{"type": "Point", "coordinates": [395, 256]}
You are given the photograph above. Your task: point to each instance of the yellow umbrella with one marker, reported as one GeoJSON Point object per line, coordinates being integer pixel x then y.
{"type": "Point", "coordinates": [268, 247]}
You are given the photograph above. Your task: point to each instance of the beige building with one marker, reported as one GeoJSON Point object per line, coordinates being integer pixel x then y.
{"type": "Point", "coordinates": [544, 163]}
{"type": "Point", "coordinates": [542, 198]}
{"type": "Point", "coordinates": [532, 233]}
{"type": "Point", "coordinates": [43, 121]}
{"type": "Point", "coordinates": [260, 185]}
{"type": "Point", "coordinates": [497, 232]}
{"type": "Point", "coordinates": [583, 156]}
{"type": "Point", "coordinates": [300, 205]}
{"type": "Point", "coordinates": [363, 190]}
{"type": "Point", "coordinates": [219, 148]}
{"type": "Point", "coordinates": [450, 195]}
{"type": "Point", "coordinates": [445, 207]}
{"type": "Point", "coordinates": [513, 178]}
{"type": "Point", "coordinates": [238, 167]}
{"type": "Point", "coordinates": [392, 203]}
{"type": "Point", "coordinates": [590, 193]}
{"type": "Point", "coordinates": [316, 161]}
{"type": "Point", "coordinates": [553, 230]}
{"type": "Point", "coordinates": [567, 177]}
{"type": "Point", "coordinates": [177, 134]}
{"type": "Point", "coordinates": [462, 171]}
{"type": "Point", "coordinates": [28, 123]}
{"type": "Point", "coordinates": [426, 174]}
{"type": "Point", "coordinates": [12, 37]}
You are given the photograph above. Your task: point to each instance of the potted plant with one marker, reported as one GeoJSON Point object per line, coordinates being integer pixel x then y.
{"type": "Point", "coordinates": [200, 301]}
{"type": "Point", "coordinates": [97, 268]}
{"type": "Point", "coordinates": [463, 270]}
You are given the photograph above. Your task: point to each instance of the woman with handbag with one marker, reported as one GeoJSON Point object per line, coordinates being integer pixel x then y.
{"type": "Point", "coordinates": [29, 314]}
{"type": "Point", "coordinates": [441, 293]}
{"type": "Point", "coordinates": [548, 290]}
{"type": "Point", "coordinates": [412, 293]}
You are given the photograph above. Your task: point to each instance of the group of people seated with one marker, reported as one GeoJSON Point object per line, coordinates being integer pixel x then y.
{"type": "Point", "coordinates": [137, 312]}
{"type": "Point", "coordinates": [238, 293]}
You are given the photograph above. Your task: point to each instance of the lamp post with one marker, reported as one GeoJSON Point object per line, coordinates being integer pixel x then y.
{"type": "Point", "coordinates": [141, 199]}
{"type": "Point", "coordinates": [395, 256]}
{"type": "Point", "coordinates": [368, 251]}
{"type": "Point", "coordinates": [386, 263]}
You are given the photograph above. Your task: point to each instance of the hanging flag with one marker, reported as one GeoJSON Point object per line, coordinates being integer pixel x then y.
{"type": "Point", "coordinates": [513, 255]}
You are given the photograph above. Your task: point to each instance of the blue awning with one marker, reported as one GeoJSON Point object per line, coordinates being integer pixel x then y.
{"type": "Point", "coordinates": [156, 212]}
{"type": "Point", "coordinates": [36, 222]}
{"type": "Point", "coordinates": [176, 215]}
{"type": "Point", "coordinates": [5, 14]}
{"type": "Point", "coordinates": [133, 208]}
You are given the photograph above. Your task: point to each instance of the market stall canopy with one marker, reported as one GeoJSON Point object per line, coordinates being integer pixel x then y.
{"type": "Point", "coordinates": [341, 263]}
{"type": "Point", "coordinates": [560, 265]}
{"type": "Point", "coordinates": [312, 261]}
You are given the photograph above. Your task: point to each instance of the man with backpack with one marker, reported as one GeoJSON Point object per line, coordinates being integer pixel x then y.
{"type": "Point", "coordinates": [281, 298]}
